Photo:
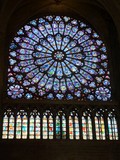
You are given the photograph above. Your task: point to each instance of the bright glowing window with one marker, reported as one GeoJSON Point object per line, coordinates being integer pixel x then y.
{"type": "Point", "coordinates": [21, 125]}
{"type": "Point", "coordinates": [58, 57]}
{"type": "Point", "coordinates": [58, 128]}
{"type": "Point", "coordinates": [34, 125]}
{"type": "Point", "coordinates": [74, 132]}
{"type": "Point", "coordinates": [87, 125]}
{"type": "Point", "coordinates": [60, 125]}
{"type": "Point", "coordinates": [112, 126]}
{"type": "Point", "coordinates": [47, 125]}
{"type": "Point", "coordinates": [8, 125]}
{"type": "Point", "coordinates": [5, 127]}
{"type": "Point", "coordinates": [11, 127]}
{"type": "Point", "coordinates": [99, 126]}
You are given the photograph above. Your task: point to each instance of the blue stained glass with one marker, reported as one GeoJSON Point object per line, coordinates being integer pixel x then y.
{"type": "Point", "coordinates": [59, 96]}
{"type": "Point", "coordinates": [70, 85]}
{"type": "Point", "coordinates": [67, 29]}
{"type": "Point", "coordinates": [20, 32]}
{"type": "Point", "coordinates": [13, 54]}
{"type": "Point", "coordinates": [33, 36]}
{"type": "Point", "coordinates": [58, 57]}
{"type": "Point", "coordinates": [49, 83]}
{"type": "Point", "coordinates": [37, 78]}
{"type": "Point", "coordinates": [37, 33]}
{"type": "Point", "coordinates": [56, 85]}
{"type": "Point", "coordinates": [28, 69]}
{"type": "Point", "coordinates": [28, 40]}
{"type": "Point", "coordinates": [32, 89]}
{"type": "Point", "coordinates": [11, 80]}
{"type": "Point", "coordinates": [52, 41]}
{"type": "Point", "coordinates": [83, 38]}
{"type": "Point", "coordinates": [78, 93]}
{"type": "Point", "coordinates": [61, 27]}
{"type": "Point", "coordinates": [50, 96]}
{"type": "Point", "coordinates": [58, 41]}
{"type": "Point", "coordinates": [23, 57]}
{"type": "Point", "coordinates": [13, 46]}
{"type": "Point", "coordinates": [42, 30]}
{"type": "Point", "coordinates": [73, 31]}
{"type": "Point", "coordinates": [33, 22]}
{"type": "Point", "coordinates": [59, 71]}
{"type": "Point", "coordinates": [28, 96]}
{"type": "Point", "coordinates": [52, 70]}
{"type": "Point", "coordinates": [27, 28]}
{"type": "Point", "coordinates": [63, 86]}
{"type": "Point", "coordinates": [43, 81]}
{"type": "Point", "coordinates": [12, 62]}
{"type": "Point", "coordinates": [55, 27]}
{"type": "Point", "coordinates": [69, 96]}
{"type": "Point", "coordinates": [65, 42]}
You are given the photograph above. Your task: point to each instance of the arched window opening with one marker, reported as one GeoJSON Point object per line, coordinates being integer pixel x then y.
{"type": "Point", "coordinates": [74, 131]}
{"type": "Point", "coordinates": [87, 125]}
{"type": "Point", "coordinates": [47, 125]}
{"type": "Point", "coordinates": [8, 125]}
{"type": "Point", "coordinates": [112, 126]}
{"type": "Point", "coordinates": [34, 125]}
{"type": "Point", "coordinates": [100, 125]}
{"type": "Point", "coordinates": [60, 125]}
{"type": "Point", "coordinates": [21, 125]}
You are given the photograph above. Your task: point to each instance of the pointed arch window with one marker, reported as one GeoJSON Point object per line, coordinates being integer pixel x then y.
{"type": "Point", "coordinates": [8, 125]}
{"type": "Point", "coordinates": [74, 131]}
{"type": "Point", "coordinates": [34, 125]}
{"type": "Point", "coordinates": [87, 125]}
{"type": "Point", "coordinates": [112, 126]}
{"type": "Point", "coordinates": [100, 125]}
{"type": "Point", "coordinates": [47, 125]}
{"type": "Point", "coordinates": [60, 125]}
{"type": "Point", "coordinates": [21, 125]}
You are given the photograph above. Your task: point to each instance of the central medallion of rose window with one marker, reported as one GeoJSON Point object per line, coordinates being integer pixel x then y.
{"type": "Point", "coordinates": [59, 56]}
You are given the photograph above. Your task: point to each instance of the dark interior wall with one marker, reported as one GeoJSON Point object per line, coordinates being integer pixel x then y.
{"type": "Point", "coordinates": [104, 17]}
{"type": "Point", "coordinates": [60, 150]}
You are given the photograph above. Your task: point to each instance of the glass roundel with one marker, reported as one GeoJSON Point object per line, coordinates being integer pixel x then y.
{"type": "Point", "coordinates": [58, 57]}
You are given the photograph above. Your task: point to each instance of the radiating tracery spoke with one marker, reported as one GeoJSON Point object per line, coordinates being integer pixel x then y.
{"type": "Point", "coordinates": [58, 57]}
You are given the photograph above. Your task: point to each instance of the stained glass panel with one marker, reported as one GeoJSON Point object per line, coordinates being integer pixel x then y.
{"type": "Point", "coordinates": [71, 132]}
{"type": "Point", "coordinates": [99, 127]}
{"type": "Point", "coordinates": [112, 127]}
{"type": "Point", "coordinates": [58, 129]}
{"type": "Point", "coordinates": [45, 127]}
{"type": "Point", "coordinates": [31, 128]}
{"type": "Point", "coordinates": [37, 127]}
{"type": "Point", "coordinates": [74, 132]}
{"type": "Point", "coordinates": [24, 127]}
{"type": "Point", "coordinates": [50, 127]}
{"type": "Point", "coordinates": [18, 127]}
{"type": "Point", "coordinates": [21, 125]}
{"type": "Point", "coordinates": [60, 125]}
{"type": "Point", "coordinates": [5, 127]}
{"type": "Point", "coordinates": [87, 126]}
{"type": "Point", "coordinates": [11, 127]}
{"type": "Point", "coordinates": [58, 57]}
{"type": "Point", "coordinates": [63, 127]}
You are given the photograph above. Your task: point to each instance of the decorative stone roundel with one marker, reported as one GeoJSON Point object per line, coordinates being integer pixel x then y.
{"type": "Point", "coordinates": [58, 57]}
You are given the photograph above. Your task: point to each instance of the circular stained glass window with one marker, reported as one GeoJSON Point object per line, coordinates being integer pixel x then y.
{"type": "Point", "coordinates": [58, 57]}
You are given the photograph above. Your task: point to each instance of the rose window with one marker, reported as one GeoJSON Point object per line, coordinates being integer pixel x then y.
{"type": "Point", "coordinates": [58, 57]}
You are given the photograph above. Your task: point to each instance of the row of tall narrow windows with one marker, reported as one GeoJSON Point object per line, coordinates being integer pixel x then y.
{"type": "Point", "coordinates": [45, 126]}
